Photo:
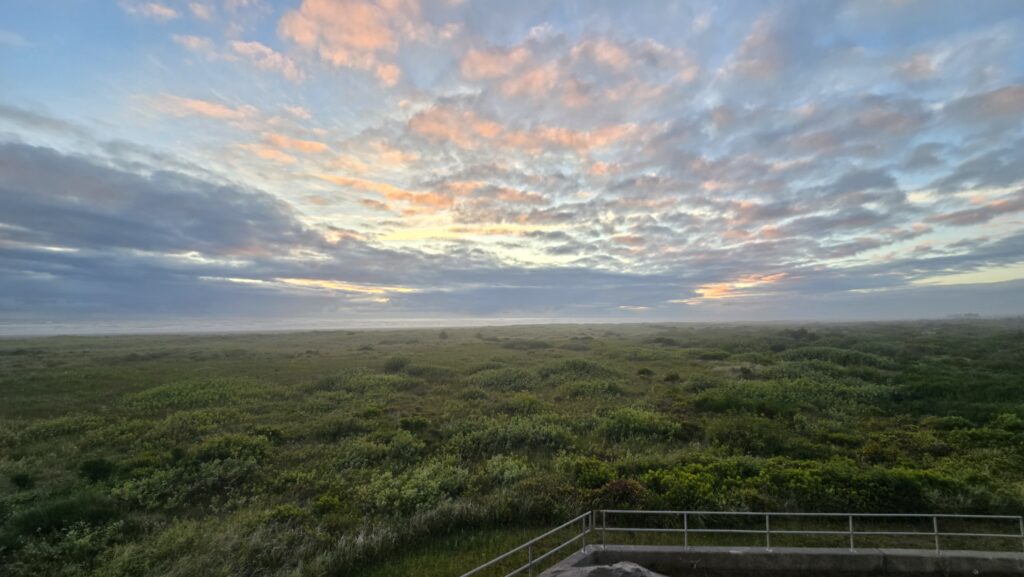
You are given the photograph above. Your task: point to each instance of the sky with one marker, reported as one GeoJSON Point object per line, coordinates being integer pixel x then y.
{"type": "Point", "coordinates": [344, 161]}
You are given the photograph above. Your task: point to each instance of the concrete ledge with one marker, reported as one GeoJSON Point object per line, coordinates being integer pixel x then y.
{"type": "Point", "coordinates": [799, 562]}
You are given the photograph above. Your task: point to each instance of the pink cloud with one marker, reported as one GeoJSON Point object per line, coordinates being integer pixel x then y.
{"type": "Point", "coordinates": [540, 81]}
{"type": "Point", "coordinates": [604, 52]}
{"type": "Point", "coordinates": [466, 129]}
{"type": "Point", "coordinates": [266, 58]}
{"type": "Point", "coordinates": [355, 33]}
{"type": "Point", "coordinates": [1007, 205]}
{"type": "Point", "coordinates": [478, 64]}
{"type": "Point", "coordinates": [193, 43]}
{"type": "Point", "coordinates": [287, 142]}
{"type": "Point", "coordinates": [178, 106]}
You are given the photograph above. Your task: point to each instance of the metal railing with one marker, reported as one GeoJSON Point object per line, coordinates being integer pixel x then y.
{"type": "Point", "coordinates": [586, 521]}
{"type": "Point", "coordinates": [587, 524]}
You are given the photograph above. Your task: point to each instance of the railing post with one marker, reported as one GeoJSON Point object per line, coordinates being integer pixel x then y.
{"type": "Point", "coordinates": [1021, 521]}
{"type": "Point", "coordinates": [851, 532]}
{"type": "Point", "coordinates": [686, 529]}
{"type": "Point", "coordinates": [530, 559]}
{"type": "Point", "coordinates": [767, 531]}
{"type": "Point", "coordinates": [935, 529]}
{"type": "Point", "coordinates": [604, 525]}
{"type": "Point", "coordinates": [585, 533]}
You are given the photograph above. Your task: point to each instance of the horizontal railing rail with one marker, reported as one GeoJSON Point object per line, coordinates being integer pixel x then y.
{"type": "Point", "coordinates": [587, 523]}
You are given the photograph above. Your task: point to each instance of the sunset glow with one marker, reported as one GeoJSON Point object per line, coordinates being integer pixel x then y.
{"type": "Point", "coordinates": [668, 161]}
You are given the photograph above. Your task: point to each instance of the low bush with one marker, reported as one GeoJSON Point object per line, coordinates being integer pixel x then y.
{"type": "Point", "coordinates": [506, 379]}
{"type": "Point", "coordinates": [635, 423]}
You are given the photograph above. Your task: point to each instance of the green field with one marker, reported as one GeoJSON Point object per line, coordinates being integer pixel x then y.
{"type": "Point", "coordinates": [424, 452]}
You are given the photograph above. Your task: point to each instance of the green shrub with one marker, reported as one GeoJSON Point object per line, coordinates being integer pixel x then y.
{"type": "Point", "coordinates": [335, 427]}
{"type": "Point", "coordinates": [520, 404]}
{"type": "Point", "coordinates": [592, 389]}
{"type": "Point", "coordinates": [232, 446]}
{"type": "Point", "coordinates": [22, 481]}
{"type": "Point", "coordinates": [844, 357]}
{"type": "Point", "coordinates": [431, 373]}
{"type": "Point", "coordinates": [575, 369]}
{"type": "Point", "coordinates": [415, 423]}
{"type": "Point", "coordinates": [635, 423]}
{"type": "Point", "coordinates": [63, 512]}
{"type": "Point", "coordinates": [492, 436]}
{"type": "Point", "coordinates": [749, 434]}
{"type": "Point", "coordinates": [507, 379]}
{"type": "Point", "coordinates": [197, 393]}
{"type": "Point", "coordinates": [96, 470]}
{"type": "Point", "coordinates": [473, 393]}
{"type": "Point", "coordinates": [584, 471]}
{"type": "Point", "coordinates": [421, 489]}
{"type": "Point", "coordinates": [525, 345]}
{"type": "Point", "coordinates": [396, 364]}
{"type": "Point", "coordinates": [505, 470]}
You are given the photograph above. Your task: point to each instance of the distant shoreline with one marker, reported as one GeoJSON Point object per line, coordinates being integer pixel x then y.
{"type": "Point", "coordinates": [236, 327]}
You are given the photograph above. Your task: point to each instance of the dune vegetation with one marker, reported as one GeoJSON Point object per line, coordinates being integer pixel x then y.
{"type": "Point", "coordinates": [425, 451]}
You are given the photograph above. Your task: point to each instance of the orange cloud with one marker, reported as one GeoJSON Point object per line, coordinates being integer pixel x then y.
{"type": "Point", "coordinates": [388, 155]}
{"type": "Point", "coordinates": [479, 64]}
{"type": "Point", "coordinates": [180, 107]}
{"type": "Point", "coordinates": [355, 33]}
{"type": "Point", "coordinates": [344, 286]}
{"type": "Point", "coordinates": [268, 153]}
{"type": "Point", "coordinates": [431, 201]}
{"type": "Point", "coordinates": [731, 289]}
{"type": "Point", "coordinates": [388, 74]}
{"type": "Point", "coordinates": [463, 128]}
{"type": "Point", "coordinates": [540, 81]}
{"type": "Point", "coordinates": [467, 130]}
{"type": "Point", "coordinates": [282, 141]}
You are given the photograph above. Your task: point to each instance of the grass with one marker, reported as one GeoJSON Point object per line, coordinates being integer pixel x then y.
{"type": "Point", "coordinates": [412, 452]}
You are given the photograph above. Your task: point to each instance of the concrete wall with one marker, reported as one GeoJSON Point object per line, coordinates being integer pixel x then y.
{"type": "Point", "coordinates": [798, 562]}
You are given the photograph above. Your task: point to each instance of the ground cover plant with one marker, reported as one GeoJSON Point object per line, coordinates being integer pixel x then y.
{"type": "Point", "coordinates": [384, 452]}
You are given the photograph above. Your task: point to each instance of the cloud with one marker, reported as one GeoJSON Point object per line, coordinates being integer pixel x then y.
{"type": "Point", "coordinates": [8, 38]}
{"type": "Point", "coordinates": [296, 144]}
{"type": "Point", "coordinates": [178, 106]}
{"type": "Point", "coordinates": [493, 63]}
{"type": "Point", "coordinates": [495, 158]}
{"type": "Point", "coordinates": [355, 33]}
{"type": "Point", "coordinates": [761, 54]}
{"type": "Point", "coordinates": [193, 43]}
{"type": "Point", "coordinates": [201, 11]}
{"type": "Point", "coordinates": [68, 201]}
{"type": "Point", "coordinates": [990, 210]}
{"type": "Point", "coordinates": [151, 10]}
{"type": "Point", "coordinates": [266, 58]}
{"type": "Point", "coordinates": [1002, 104]}
{"type": "Point", "coordinates": [917, 67]}
{"type": "Point", "coordinates": [466, 129]}
{"type": "Point", "coordinates": [603, 52]}
{"type": "Point", "coordinates": [300, 112]}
